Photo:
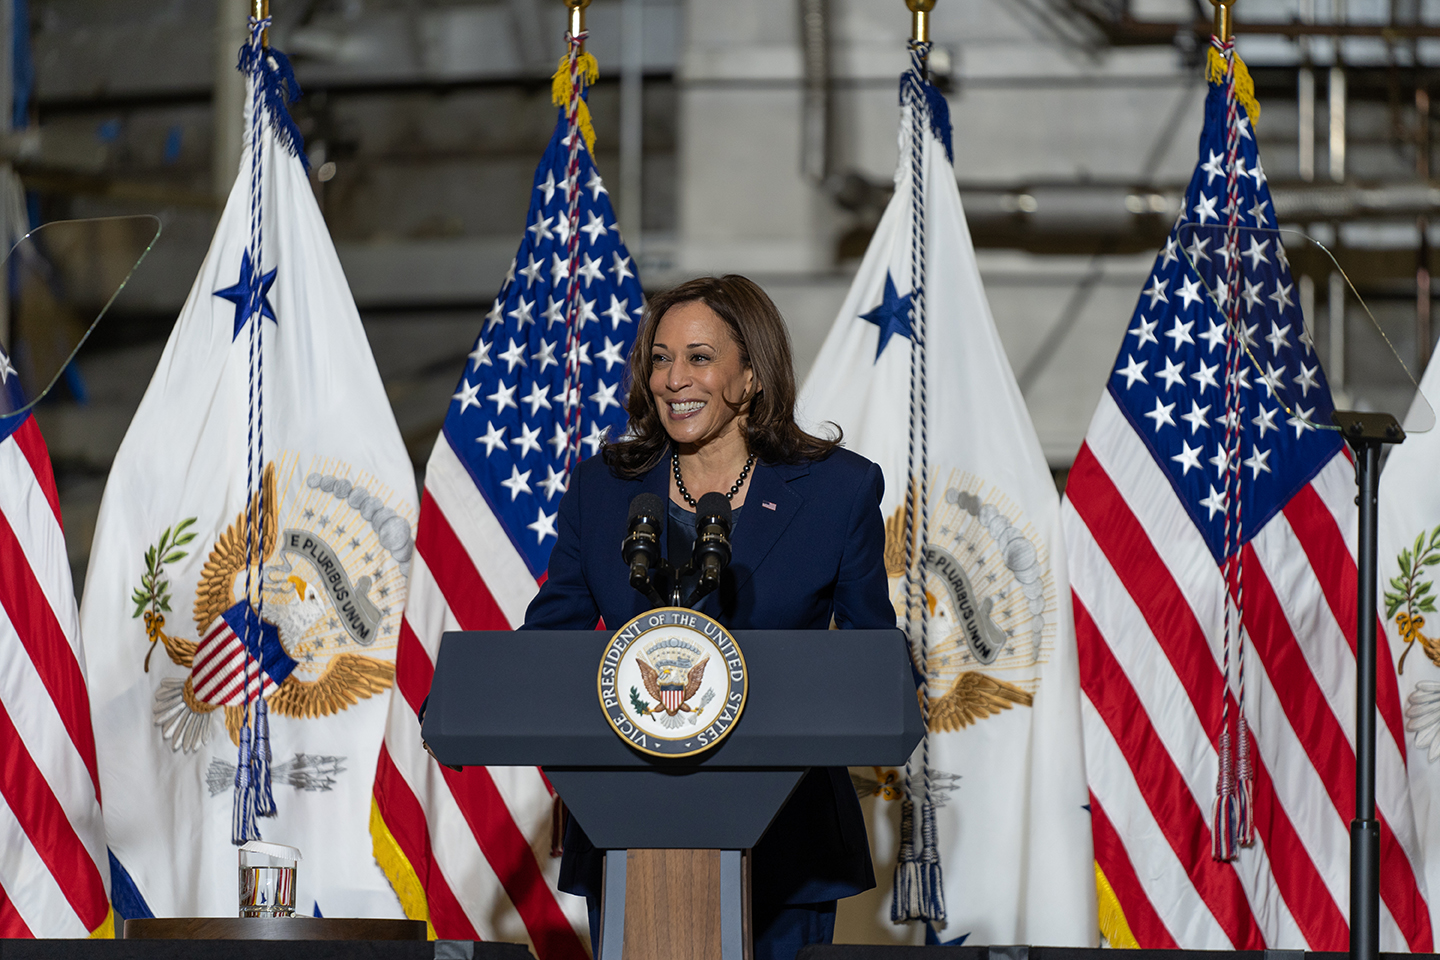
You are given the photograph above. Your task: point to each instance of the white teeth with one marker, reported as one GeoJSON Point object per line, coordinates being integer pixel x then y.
{"type": "Point", "coordinates": [689, 406]}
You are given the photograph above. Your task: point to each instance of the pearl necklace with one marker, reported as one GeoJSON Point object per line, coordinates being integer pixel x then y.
{"type": "Point", "coordinates": [685, 494]}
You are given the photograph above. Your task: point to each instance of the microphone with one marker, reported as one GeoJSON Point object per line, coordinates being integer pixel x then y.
{"type": "Point", "coordinates": [641, 547]}
{"type": "Point", "coordinates": [712, 540]}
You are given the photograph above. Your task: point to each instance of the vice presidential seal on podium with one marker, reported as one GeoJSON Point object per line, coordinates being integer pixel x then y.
{"type": "Point", "coordinates": [672, 682]}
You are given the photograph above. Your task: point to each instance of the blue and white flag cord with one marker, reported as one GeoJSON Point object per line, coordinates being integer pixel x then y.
{"type": "Point", "coordinates": [272, 87]}
{"type": "Point", "coordinates": [919, 892]}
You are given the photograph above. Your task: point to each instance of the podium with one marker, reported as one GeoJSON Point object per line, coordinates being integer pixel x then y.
{"type": "Point", "coordinates": [675, 831]}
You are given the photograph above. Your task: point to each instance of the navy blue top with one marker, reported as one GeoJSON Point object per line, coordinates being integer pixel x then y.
{"type": "Point", "coordinates": [684, 528]}
{"type": "Point", "coordinates": [811, 549]}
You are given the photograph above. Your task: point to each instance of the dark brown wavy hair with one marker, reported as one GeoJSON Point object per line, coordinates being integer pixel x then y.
{"type": "Point", "coordinates": [759, 331]}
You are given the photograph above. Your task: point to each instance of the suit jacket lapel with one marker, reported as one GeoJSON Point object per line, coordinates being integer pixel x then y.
{"type": "Point", "coordinates": [769, 507]}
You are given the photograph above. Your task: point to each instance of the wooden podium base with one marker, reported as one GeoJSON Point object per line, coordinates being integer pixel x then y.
{"type": "Point", "coordinates": [272, 928]}
{"type": "Point", "coordinates": [676, 905]}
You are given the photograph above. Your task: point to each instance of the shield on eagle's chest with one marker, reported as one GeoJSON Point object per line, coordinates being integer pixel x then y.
{"type": "Point", "coordinates": [223, 663]}
{"type": "Point", "coordinates": [671, 696]}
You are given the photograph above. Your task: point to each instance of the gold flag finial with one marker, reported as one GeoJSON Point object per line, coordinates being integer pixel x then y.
{"type": "Point", "coordinates": [920, 19]}
{"type": "Point", "coordinates": [577, 16]}
{"type": "Point", "coordinates": [1224, 27]}
{"type": "Point", "coordinates": [260, 9]}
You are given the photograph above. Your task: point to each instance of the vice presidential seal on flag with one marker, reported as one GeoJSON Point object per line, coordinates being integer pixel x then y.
{"type": "Point", "coordinates": [250, 563]}
{"type": "Point", "coordinates": [988, 821]}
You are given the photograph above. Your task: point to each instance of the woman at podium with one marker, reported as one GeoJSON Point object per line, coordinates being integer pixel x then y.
{"type": "Point", "coordinates": [712, 408]}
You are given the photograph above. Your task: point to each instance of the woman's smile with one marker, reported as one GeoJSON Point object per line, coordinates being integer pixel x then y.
{"type": "Point", "coordinates": [680, 409]}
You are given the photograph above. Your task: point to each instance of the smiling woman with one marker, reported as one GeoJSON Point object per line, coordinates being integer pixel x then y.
{"type": "Point", "coordinates": [701, 381]}
{"type": "Point", "coordinates": [712, 408]}
{"type": "Point", "coordinates": [712, 382]}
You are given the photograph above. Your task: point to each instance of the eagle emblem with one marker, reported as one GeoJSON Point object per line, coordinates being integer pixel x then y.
{"type": "Point", "coordinates": [988, 596]}
{"type": "Point", "coordinates": [247, 649]}
{"type": "Point", "coordinates": [666, 651]}
{"type": "Point", "coordinates": [673, 683]}
{"type": "Point", "coordinates": [974, 696]}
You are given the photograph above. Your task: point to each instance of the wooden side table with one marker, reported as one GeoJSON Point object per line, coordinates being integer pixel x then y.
{"type": "Point", "coordinates": [273, 928]}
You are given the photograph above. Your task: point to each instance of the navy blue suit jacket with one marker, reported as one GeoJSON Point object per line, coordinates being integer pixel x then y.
{"type": "Point", "coordinates": [808, 546]}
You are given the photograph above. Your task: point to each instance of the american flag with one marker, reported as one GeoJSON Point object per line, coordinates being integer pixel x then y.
{"type": "Point", "coordinates": [473, 848]}
{"type": "Point", "coordinates": [1159, 500]}
{"type": "Point", "coordinates": [53, 862]}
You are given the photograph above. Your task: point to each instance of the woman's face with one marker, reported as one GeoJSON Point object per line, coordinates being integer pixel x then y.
{"type": "Point", "coordinates": [701, 387]}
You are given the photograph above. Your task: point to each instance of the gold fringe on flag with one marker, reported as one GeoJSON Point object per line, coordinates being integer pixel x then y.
{"type": "Point", "coordinates": [1244, 86]}
{"type": "Point", "coordinates": [1112, 919]}
{"type": "Point", "coordinates": [398, 871]}
{"type": "Point", "coordinates": [560, 92]}
{"type": "Point", "coordinates": [106, 930]}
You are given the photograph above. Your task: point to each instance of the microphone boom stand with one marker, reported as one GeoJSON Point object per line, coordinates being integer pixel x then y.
{"type": "Point", "coordinates": [1366, 433]}
{"type": "Point", "coordinates": [664, 581]}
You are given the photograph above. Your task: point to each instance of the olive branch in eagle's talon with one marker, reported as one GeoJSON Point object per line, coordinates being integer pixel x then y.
{"type": "Point", "coordinates": [154, 590]}
{"type": "Point", "coordinates": [1414, 594]}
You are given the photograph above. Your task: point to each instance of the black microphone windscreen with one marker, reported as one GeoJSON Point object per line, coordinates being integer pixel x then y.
{"type": "Point", "coordinates": [647, 505]}
{"type": "Point", "coordinates": [714, 505]}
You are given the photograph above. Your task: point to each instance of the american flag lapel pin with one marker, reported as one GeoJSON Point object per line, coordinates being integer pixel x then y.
{"type": "Point", "coordinates": [767, 504]}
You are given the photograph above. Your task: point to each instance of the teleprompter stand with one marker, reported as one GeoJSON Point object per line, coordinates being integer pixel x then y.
{"type": "Point", "coordinates": [675, 831]}
{"type": "Point", "coordinates": [1366, 433]}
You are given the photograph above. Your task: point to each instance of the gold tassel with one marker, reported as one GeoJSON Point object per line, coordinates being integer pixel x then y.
{"type": "Point", "coordinates": [560, 92]}
{"type": "Point", "coordinates": [1244, 86]}
{"type": "Point", "coordinates": [398, 871]}
{"type": "Point", "coordinates": [1112, 919]}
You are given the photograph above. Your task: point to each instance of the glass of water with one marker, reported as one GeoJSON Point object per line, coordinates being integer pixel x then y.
{"type": "Point", "coordinates": [267, 879]}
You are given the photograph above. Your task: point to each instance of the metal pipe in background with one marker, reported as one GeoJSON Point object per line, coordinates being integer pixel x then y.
{"type": "Point", "coordinates": [1305, 111]}
{"type": "Point", "coordinates": [1336, 324]}
{"type": "Point", "coordinates": [232, 18]}
{"type": "Point", "coordinates": [1305, 99]}
{"type": "Point", "coordinates": [1424, 338]}
{"type": "Point", "coordinates": [1337, 103]}
{"type": "Point", "coordinates": [815, 108]}
{"type": "Point", "coordinates": [1306, 290]}
{"type": "Point", "coordinates": [1337, 123]}
{"type": "Point", "coordinates": [632, 122]}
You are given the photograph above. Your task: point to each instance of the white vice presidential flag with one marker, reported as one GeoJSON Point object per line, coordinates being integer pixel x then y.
{"type": "Point", "coordinates": [1006, 768]}
{"type": "Point", "coordinates": [1409, 557]}
{"type": "Point", "coordinates": [266, 394]}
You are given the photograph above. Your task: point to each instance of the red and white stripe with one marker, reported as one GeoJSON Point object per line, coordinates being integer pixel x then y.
{"type": "Point", "coordinates": [479, 840]}
{"type": "Point", "coordinates": [53, 864]}
{"type": "Point", "coordinates": [221, 667]}
{"type": "Point", "coordinates": [1148, 618]}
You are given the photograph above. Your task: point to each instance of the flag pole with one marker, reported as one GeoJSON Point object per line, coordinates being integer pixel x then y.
{"type": "Point", "coordinates": [920, 19]}
{"type": "Point", "coordinates": [1224, 26]}
{"type": "Point", "coordinates": [260, 9]}
{"type": "Point", "coordinates": [577, 17]}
